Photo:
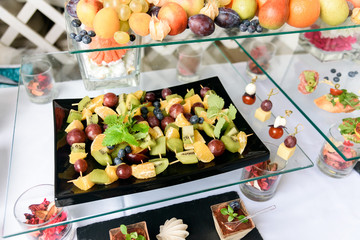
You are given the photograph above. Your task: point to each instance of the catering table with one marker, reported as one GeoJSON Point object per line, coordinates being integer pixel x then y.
{"type": "Point", "coordinates": [309, 204]}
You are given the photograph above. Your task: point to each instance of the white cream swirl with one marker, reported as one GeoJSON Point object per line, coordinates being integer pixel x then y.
{"type": "Point", "coordinates": [173, 229]}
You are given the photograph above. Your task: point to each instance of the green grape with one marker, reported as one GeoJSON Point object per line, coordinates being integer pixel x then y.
{"type": "Point", "coordinates": [124, 26]}
{"type": "Point", "coordinates": [124, 12]}
{"type": "Point", "coordinates": [121, 37]}
{"type": "Point", "coordinates": [145, 6]}
{"type": "Point", "coordinates": [135, 6]}
{"type": "Point", "coordinates": [125, 1]}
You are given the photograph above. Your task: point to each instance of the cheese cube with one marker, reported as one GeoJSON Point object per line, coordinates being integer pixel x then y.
{"type": "Point", "coordinates": [285, 152]}
{"type": "Point", "coordinates": [262, 115]}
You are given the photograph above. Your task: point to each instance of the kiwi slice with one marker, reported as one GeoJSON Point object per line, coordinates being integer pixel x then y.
{"type": "Point", "coordinates": [92, 119]}
{"type": "Point", "coordinates": [99, 176]}
{"type": "Point", "coordinates": [160, 164]}
{"type": "Point", "coordinates": [159, 148]}
{"type": "Point", "coordinates": [175, 145]}
{"type": "Point", "coordinates": [187, 157]}
{"type": "Point", "coordinates": [231, 143]}
{"type": "Point", "coordinates": [170, 125]}
{"type": "Point", "coordinates": [74, 115]}
{"type": "Point", "coordinates": [208, 129]}
{"type": "Point", "coordinates": [84, 103]}
{"type": "Point", "coordinates": [102, 157]}
{"type": "Point", "coordinates": [78, 147]}
{"type": "Point", "coordinates": [173, 96]}
{"type": "Point", "coordinates": [190, 93]}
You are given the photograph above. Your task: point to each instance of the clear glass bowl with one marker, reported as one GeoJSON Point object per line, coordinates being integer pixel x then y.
{"type": "Point", "coordinates": [29, 207]}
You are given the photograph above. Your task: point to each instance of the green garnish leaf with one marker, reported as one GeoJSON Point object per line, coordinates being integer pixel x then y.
{"type": "Point", "coordinates": [232, 112]}
{"type": "Point", "coordinates": [128, 237]}
{"type": "Point", "coordinates": [216, 101]}
{"type": "Point", "coordinates": [140, 127]}
{"type": "Point", "coordinates": [212, 112]}
{"type": "Point", "coordinates": [230, 210]}
{"type": "Point", "coordinates": [230, 218]}
{"type": "Point", "coordinates": [219, 125]}
{"type": "Point", "coordinates": [141, 237]}
{"type": "Point", "coordinates": [134, 235]}
{"type": "Point", "coordinates": [130, 139]}
{"type": "Point", "coordinates": [224, 211]}
{"type": "Point", "coordinates": [140, 135]}
{"type": "Point", "coordinates": [123, 229]}
{"type": "Point", "coordinates": [242, 219]}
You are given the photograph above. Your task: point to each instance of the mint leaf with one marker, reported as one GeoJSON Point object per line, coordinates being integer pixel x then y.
{"type": "Point", "coordinates": [230, 218]}
{"type": "Point", "coordinates": [216, 101]}
{"type": "Point", "coordinates": [224, 211]}
{"type": "Point", "coordinates": [130, 139]}
{"type": "Point", "coordinates": [212, 112]}
{"type": "Point", "coordinates": [242, 219]}
{"type": "Point", "coordinates": [232, 112]}
{"type": "Point", "coordinates": [113, 136]}
{"type": "Point", "coordinates": [134, 235]}
{"type": "Point", "coordinates": [219, 126]}
{"type": "Point", "coordinates": [123, 229]}
{"type": "Point", "coordinates": [141, 237]}
{"type": "Point", "coordinates": [140, 127]}
{"type": "Point", "coordinates": [230, 210]}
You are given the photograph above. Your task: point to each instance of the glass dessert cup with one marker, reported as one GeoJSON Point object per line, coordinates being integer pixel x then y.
{"type": "Point", "coordinates": [140, 228]}
{"type": "Point", "coordinates": [235, 229]}
{"type": "Point", "coordinates": [35, 208]}
{"type": "Point", "coordinates": [330, 162]}
{"type": "Point", "coordinates": [263, 189]}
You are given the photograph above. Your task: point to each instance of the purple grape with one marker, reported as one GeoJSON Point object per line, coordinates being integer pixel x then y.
{"type": "Point", "coordinates": [227, 18]}
{"type": "Point", "coordinates": [154, 10]}
{"type": "Point", "coordinates": [71, 8]}
{"type": "Point", "coordinates": [166, 92]}
{"type": "Point", "coordinates": [290, 141]}
{"type": "Point", "coordinates": [266, 105]}
{"type": "Point", "coordinates": [201, 25]}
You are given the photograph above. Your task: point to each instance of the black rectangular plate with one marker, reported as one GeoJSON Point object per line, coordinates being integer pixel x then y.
{"type": "Point", "coordinates": [67, 194]}
{"type": "Point", "coordinates": [200, 222]}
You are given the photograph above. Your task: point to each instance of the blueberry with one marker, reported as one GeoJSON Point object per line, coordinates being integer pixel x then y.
{"type": "Point", "coordinates": [159, 116]}
{"type": "Point", "coordinates": [243, 28]}
{"type": "Point", "coordinates": [253, 23]}
{"type": "Point", "coordinates": [86, 39]}
{"type": "Point", "coordinates": [356, 72]}
{"type": "Point", "coordinates": [251, 29]}
{"type": "Point", "coordinates": [83, 33]}
{"type": "Point", "coordinates": [201, 120]}
{"type": "Point", "coordinates": [338, 74]}
{"type": "Point", "coordinates": [156, 104]}
{"type": "Point", "coordinates": [235, 205]}
{"type": "Point", "coordinates": [76, 23]}
{"type": "Point", "coordinates": [91, 33]}
{"type": "Point", "coordinates": [144, 116]}
{"type": "Point", "coordinates": [156, 111]}
{"type": "Point", "coordinates": [127, 149]}
{"type": "Point", "coordinates": [72, 35]}
{"type": "Point", "coordinates": [327, 78]}
{"type": "Point", "coordinates": [78, 38]}
{"type": "Point", "coordinates": [121, 153]}
{"type": "Point", "coordinates": [111, 147]}
{"type": "Point", "coordinates": [246, 22]}
{"type": "Point", "coordinates": [132, 37]}
{"type": "Point", "coordinates": [144, 110]}
{"type": "Point", "coordinates": [351, 74]}
{"type": "Point", "coordinates": [117, 161]}
{"type": "Point", "coordinates": [333, 70]}
{"type": "Point", "coordinates": [259, 28]}
{"type": "Point", "coordinates": [194, 119]}
{"type": "Point", "coordinates": [336, 79]}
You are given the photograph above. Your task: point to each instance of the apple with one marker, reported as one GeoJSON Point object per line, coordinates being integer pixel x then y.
{"type": "Point", "coordinates": [191, 7]}
{"type": "Point", "coordinates": [175, 16]}
{"type": "Point", "coordinates": [86, 11]}
{"type": "Point", "coordinates": [245, 8]}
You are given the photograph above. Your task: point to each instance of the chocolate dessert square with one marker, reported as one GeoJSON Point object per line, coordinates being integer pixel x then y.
{"type": "Point", "coordinates": [140, 228]}
{"type": "Point", "coordinates": [235, 229]}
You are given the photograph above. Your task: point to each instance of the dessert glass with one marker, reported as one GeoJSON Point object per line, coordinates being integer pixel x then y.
{"type": "Point", "coordinates": [35, 196]}
{"type": "Point", "coordinates": [115, 233]}
{"type": "Point", "coordinates": [262, 52]}
{"type": "Point", "coordinates": [231, 230]}
{"type": "Point", "coordinates": [330, 162]}
{"type": "Point", "coordinates": [189, 62]}
{"type": "Point", "coordinates": [262, 189]}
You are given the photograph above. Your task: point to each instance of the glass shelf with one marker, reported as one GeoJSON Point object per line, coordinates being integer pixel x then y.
{"type": "Point", "coordinates": [188, 37]}
{"type": "Point", "coordinates": [297, 59]}
{"type": "Point", "coordinates": [32, 158]}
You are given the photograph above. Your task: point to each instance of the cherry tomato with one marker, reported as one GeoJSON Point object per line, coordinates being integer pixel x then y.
{"type": "Point", "coordinates": [276, 132]}
{"type": "Point", "coordinates": [249, 100]}
{"type": "Point", "coordinates": [335, 92]}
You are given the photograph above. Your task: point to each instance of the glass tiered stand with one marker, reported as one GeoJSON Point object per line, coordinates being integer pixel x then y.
{"type": "Point", "coordinates": [32, 158]}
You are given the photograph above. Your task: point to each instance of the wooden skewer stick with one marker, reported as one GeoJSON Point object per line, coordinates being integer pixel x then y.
{"type": "Point", "coordinates": [191, 140]}
{"type": "Point", "coordinates": [201, 86]}
{"type": "Point", "coordinates": [249, 135]}
{"type": "Point", "coordinates": [149, 148]}
{"type": "Point", "coordinates": [174, 162]}
{"type": "Point", "coordinates": [74, 104]}
{"type": "Point", "coordinates": [160, 156]}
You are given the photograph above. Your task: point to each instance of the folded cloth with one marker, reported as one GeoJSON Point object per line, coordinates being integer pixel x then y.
{"type": "Point", "coordinates": [9, 75]}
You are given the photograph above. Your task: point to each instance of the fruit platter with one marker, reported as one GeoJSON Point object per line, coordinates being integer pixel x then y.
{"type": "Point", "coordinates": [113, 145]}
{"type": "Point", "coordinates": [159, 22]}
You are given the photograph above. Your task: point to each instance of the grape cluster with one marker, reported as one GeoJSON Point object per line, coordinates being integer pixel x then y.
{"type": "Point", "coordinates": [83, 36]}
{"type": "Point", "coordinates": [251, 26]}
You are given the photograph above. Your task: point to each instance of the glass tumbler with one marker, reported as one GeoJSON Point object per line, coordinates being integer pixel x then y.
{"type": "Point", "coordinates": [263, 189]}
{"type": "Point", "coordinates": [189, 62]}
{"type": "Point", "coordinates": [332, 163]}
{"type": "Point", "coordinates": [262, 53]}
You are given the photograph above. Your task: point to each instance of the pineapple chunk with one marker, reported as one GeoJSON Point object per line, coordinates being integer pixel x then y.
{"type": "Point", "coordinates": [285, 152]}
{"type": "Point", "coordinates": [262, 115]}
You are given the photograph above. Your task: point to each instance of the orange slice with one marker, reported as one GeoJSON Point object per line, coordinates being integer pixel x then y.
{"type": "Point", "coordinates": [198, 137]}
{"type": "Point", "coordinates": [203, 152]}
{"type": "Point", "coordinates": [143, 170]}
{"type": "Point", "coordinates": [96, 102]}
{"type": "Point", "coordinates": [103, 112]}
{"type": "Point", "coordinates": [96, 145]}
{"type": "Point", "coordinates": [83, 183]}
{"type": "Point", "coordinates": [187, 106]}
{"type": "Point", "coordinates": [74, 124]}
{"type": "Point", "coordinates": [181, 121]}
{"type": "Point", "coordinates": [194, 99]}
{"type": "Point", "coordinates": [111, 172]}
{"type": "Point", "coordinates": [172, 133]}
{"type": "Point", "coordinates": [85, 113]}
{"type": "Point", "coordinates": [242, 141]}
{"type": "Point", "coordinates": [74, 156]}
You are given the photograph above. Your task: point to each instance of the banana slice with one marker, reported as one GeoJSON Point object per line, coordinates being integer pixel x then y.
{"type": "Point", "coordinates": [173, 229]}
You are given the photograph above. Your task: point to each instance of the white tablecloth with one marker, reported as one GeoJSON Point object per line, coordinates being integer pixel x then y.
{"type": "Point", "coordinates": [309, 204]}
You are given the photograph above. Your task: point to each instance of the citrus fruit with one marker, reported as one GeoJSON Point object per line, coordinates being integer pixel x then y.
{"type": "Point", "coordinates": [242, 141]}
{"type": "Point", "coordinates": [85, 113]}
{"type": "Point", "coordinates": [203, 152]}
{"type": "Point", "coordinates": [74, 156]}
{"type": "Point", "coordinates": [96, 102]}
{"type": "Point", "coordinates": [143, 170]}
{"type": "Point", "coordinates": [181, 121]}
{"type": "Point", "coordinates": [172, 133]}
{"type": "Point", "coordinates": [103, 112]}
{"type": "Point", "coordinates": [303, 13]}
{"type": "Point", "coordinates": [83, 183]}
{"type": "Point", "coordinates": [74, 124]}
{"type": "Point", "coordinates": [96, 145]}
